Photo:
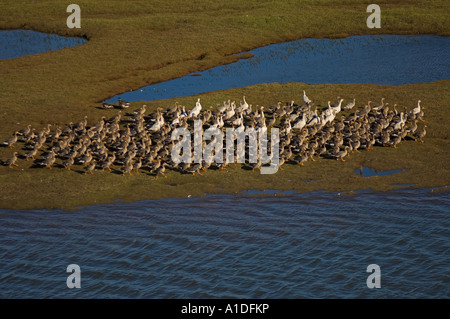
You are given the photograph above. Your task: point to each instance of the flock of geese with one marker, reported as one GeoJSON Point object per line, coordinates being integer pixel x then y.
{"type": "Point", "coordinates": [129, 142]}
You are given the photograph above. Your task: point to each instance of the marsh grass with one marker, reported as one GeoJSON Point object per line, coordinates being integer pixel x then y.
{"type": "Point", "coordinates": [132, 44]}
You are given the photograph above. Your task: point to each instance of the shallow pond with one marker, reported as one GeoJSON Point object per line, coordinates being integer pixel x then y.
{"type": "Point", "coordinates": [17, 43]}
{"type": "Point", "coordinates": [381, 59]}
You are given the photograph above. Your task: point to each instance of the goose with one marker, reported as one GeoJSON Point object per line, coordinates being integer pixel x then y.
{"type": "Point", "coordinates": [281, 111]}
{"type": "Point", "coordinates": [394, 140]}
{"type": "Point", "coordinates": [286, 127]}
{"type": "Point", "coordinates": [337, 108]}
{"type": "Point", "coordinates": [31, 154]}
{"type": "Point", "coordinates": [206, 116]}
{"type": "Point", "coordinates": [141, 110]}
{"type": "Point", "coordinates": [301, 159]}
{"type": "Point", "coordinates": [25, 131]}
{"type": "Point", "coordinates": [161, 170]}
{"type": "Point", "coordinates": [10, 142]}
{"type": "Point", "coordinates": [230, 112]}
{"type": "Point", "coordinates": [11, 161]}
{"type": "Point", "coordinates": [158, 124]}
{"type": "Point", "coordinates": [221, 122]}
{"type": "Point", "coordinates": [272, 120]}
{"type": "Point", "coordinates": [419, 135]}
{"type": "Point", "coordinates": [300, 124]}
{"type": "Point", "coordinates": [107, 105]}
{"type": "Point", "coordinates": [109, 161]}
{"type": "Point", "coordinates": [400, 122]}
{"type": "Point", "coordinates": [416, 110]}
{"type": "Point", "coordinates": [256, 165]}
{"type": "Point", "coordinates": [173, 110]}
{"type": "Point", "coordinates": [281, 162]}
{"type": "Point", "coordinates": [154, 166]}
{"type": "Point", "coordinates": [222, 108]}
{"type": "Point", "coordinates": [243, 106]}
{"type": "Point", "coordinates": [306, 99]}
{"type": "Point", "coordinates": [68, 163]}
{"type": "Point", "coordinates": [123, 104]}
{"type": "Point", "coordinates": [137, 165]}
{"type": "Point", "coordinates": [350, 105]}
{"type": "Point", "coordinates": [412, 128]}
{"type": "Point", "coordinates": [366, 110]}
{"type": "Point", "coordinates": [196, 110]}
{"type": "Point", "coordinates": [238, 121]}
{"type": "Point", "coordinates": [356, 143]}
{"type": "Point", "coordinates": [194, 169]}
{"type": "Point", "coordinates": [49, 161]}
{"type": "Point", "coordinates": [314, 120]}
{"type": "Point", "coordinates": [127, 169]}
{"type": "Point", "coordinates": [379, 106]}
{"type": "Point", "coordinates": [294, 115]}
{"type": "Point", "coordinates": [340, 155]}
{"type": "Point", "coordinates": [90, 168]}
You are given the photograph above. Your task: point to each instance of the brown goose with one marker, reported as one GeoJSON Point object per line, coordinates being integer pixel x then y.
{"type": "Point", "coordinates": [10, 142]}
{"type": "Point", "coordinates": [11, 161]}
{"type": "Point", "coordinates": [419, 135]}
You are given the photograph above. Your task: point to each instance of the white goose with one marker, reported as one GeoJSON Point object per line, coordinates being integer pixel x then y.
{"type": "Point", "coordinates": [305, 98]}
{"type": "Point", "coordinates": [300, 123]}
{"type": "Point", "coordinates": [230, 112]}
{"type": "Point", "coordinates": [243, 106]}
{"type": "Point", "coordinates": [337, 108]}
{"type": "Point", "coordinates": [196, 110]}
{"type": "Point", "coordinates": [350, 105]}
{"type": "Point", "coordinates": [416, 110]}
{"type": "Point", "coordinates": [158, 124]}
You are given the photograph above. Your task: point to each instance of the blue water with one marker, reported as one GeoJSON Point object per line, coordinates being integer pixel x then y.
{"type": "Point", "coordinates": [311, 245]}
{"type": "Point", "coordinates": [369, 172]}
{"type": "Point", "coordinates": [17, 43]}
{"type": "Point", "coordinates": [381, 59]}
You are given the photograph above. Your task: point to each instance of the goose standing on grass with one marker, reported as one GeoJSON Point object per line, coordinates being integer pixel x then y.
{"type": "Point", "coordinates": [127, 169]}
{"type": "Point", "coordinates": [222, 108]}
{"type": "Point", "coordinates": [340, 155]}
{"type": "Point", "coordinates": [31, 154]}
{"type": "Point", "coordinates": [416, 110]}
{"type": "Point", "coordinates": [196, 110]}
{"type": "Point", "coordinates": [350, 105]}
{"type": "Point", "coordinates": [68, 163]}
{"type": "Point", "coordinates": [90, 168]}
{"type": "Point", "coordinates": [10, 142]}
{"type": "Point", "coordinates": [301, 158]}
{"type": "Point", "coordinates": [49, 160]}
{"type": "Point", "coordinates": [337, 108]}
{"type": "Point", "coordinates": [123, 104]}
{"type": "Point", "coordinates": [379, 106]}
{"type": "Point", "coordinates": [194, 169]}
{"type": "Point", "coordinates": [300, 124]}
{"type": "Point", "coordinates": [11, 161]}
{"type": "Point", "coordinates": [243, 106]}
{"type": "Point", "coordinates": [161, 170]}
{"type": "Point", "coordinates": [26, 131]}
{"type": "Point", "coordinates": [306, 99]}
{"type": "Point", "coordinates": [109, 161]}
{"type": "Point", "coordinates": [107, 105]}
{"type": "Point", "coordinates": [419, 135]}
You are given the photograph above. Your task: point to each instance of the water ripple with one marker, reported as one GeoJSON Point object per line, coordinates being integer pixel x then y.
{"type": "Point", "coordinates": [314, 245]}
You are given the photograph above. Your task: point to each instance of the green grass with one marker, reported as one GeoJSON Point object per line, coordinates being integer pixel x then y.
{"type": "Point", "coordinates": [132, 44]}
